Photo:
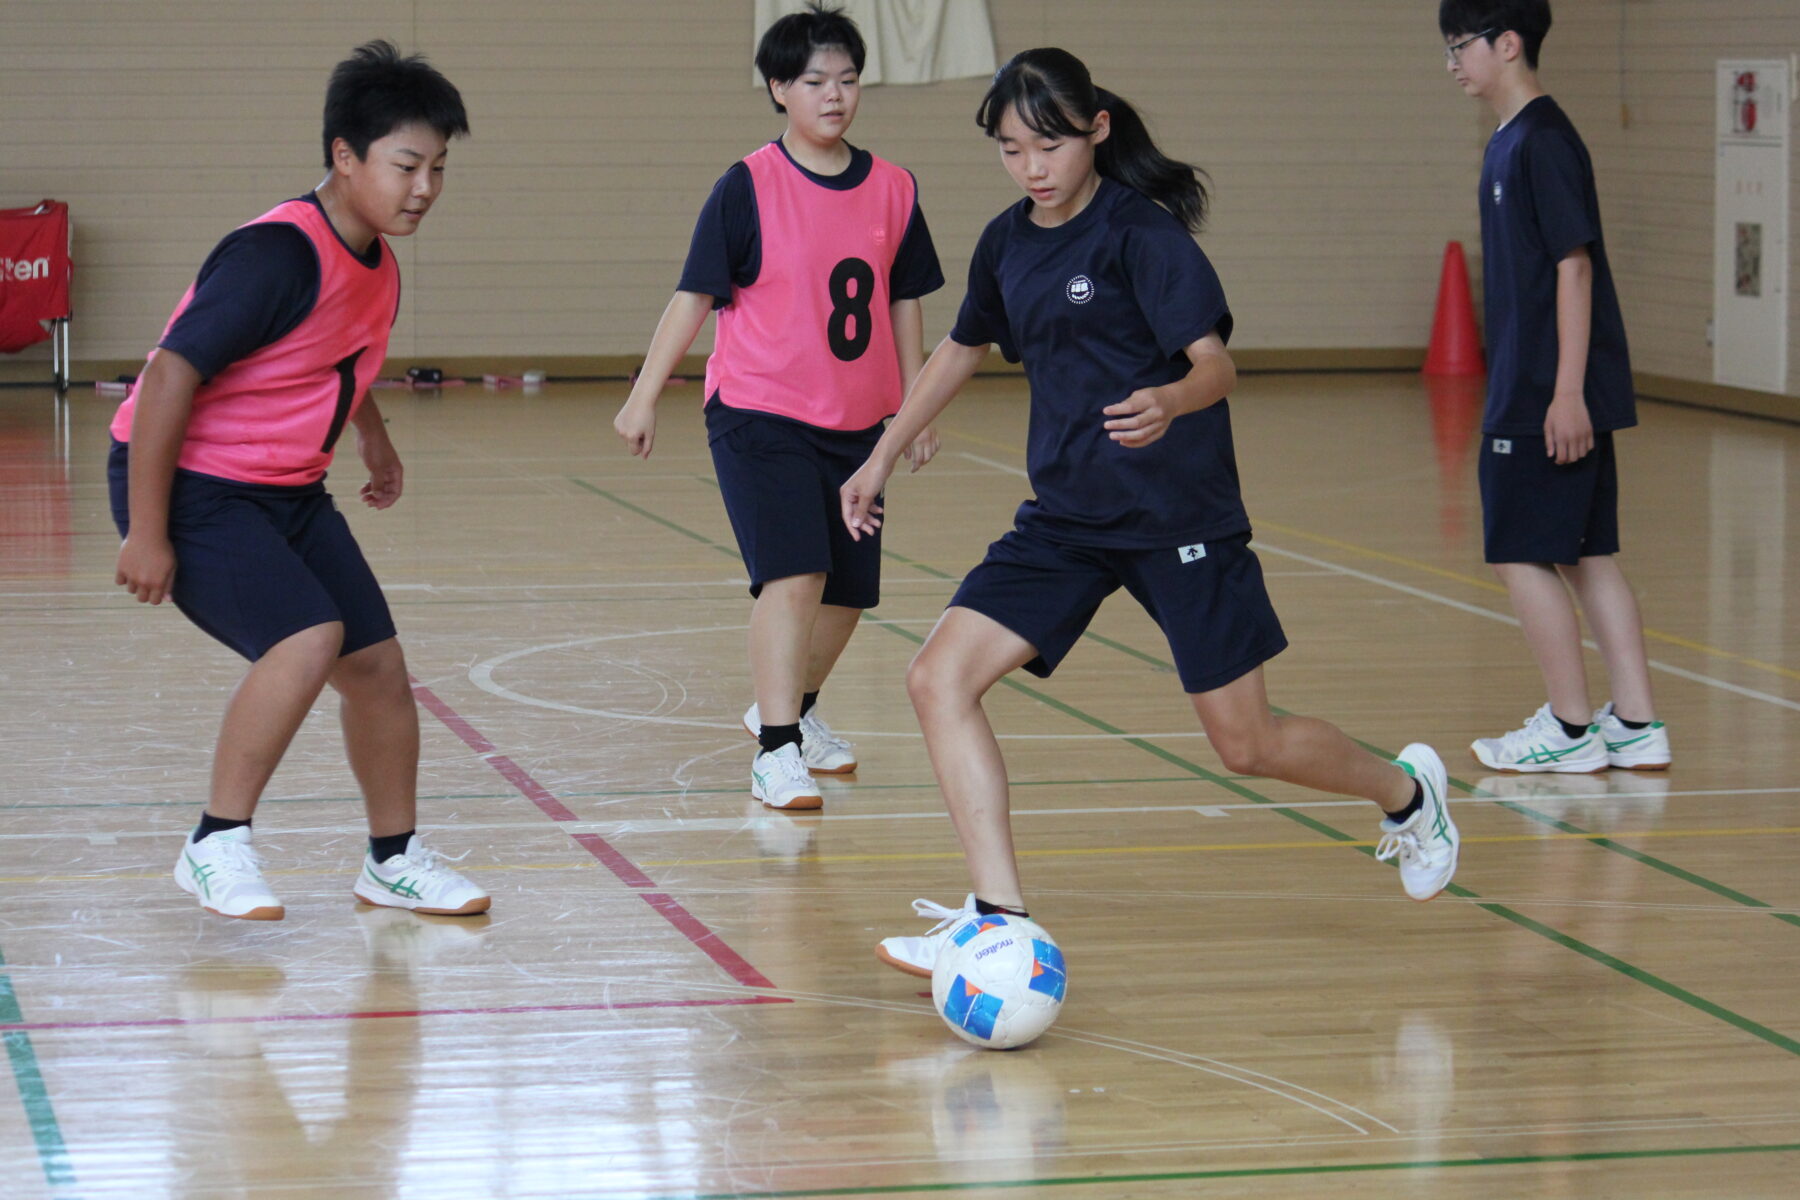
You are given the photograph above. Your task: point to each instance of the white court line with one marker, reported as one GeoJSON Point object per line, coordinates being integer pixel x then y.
{"type": "Point", "coordinates": [998, 466]}
{"type": "Point", "coordinates": [1472, 609]}
{"type": "Point", "coordinates": [838, 815]}
{"type": "Point", "coordinates": [482, 676]}
{"type": "Point", "coordinates": [1509, 619]}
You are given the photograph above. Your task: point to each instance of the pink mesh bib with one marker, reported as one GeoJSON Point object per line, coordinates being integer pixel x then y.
{"type": "Point", "coordinates": [812, 339]}
{"type": "Point", "coordinates": [275, 416]}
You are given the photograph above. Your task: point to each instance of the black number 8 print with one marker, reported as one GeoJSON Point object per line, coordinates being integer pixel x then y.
{"type": "Point", "coordinates": [849, 329]}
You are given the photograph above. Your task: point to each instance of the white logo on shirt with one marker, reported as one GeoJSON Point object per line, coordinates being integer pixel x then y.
{"type": "Point", "coordinates": [1080, 290]}
{"type": "Point", "coordinates": [1496, 191]}
{"type": "Point", "coordinates": [1502, 445]}
{"type": "Point", "coordinates": [1192, 553]}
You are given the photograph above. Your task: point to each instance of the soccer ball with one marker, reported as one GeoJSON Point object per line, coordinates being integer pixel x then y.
{"type": "Point", "coordinates": [999, 981]}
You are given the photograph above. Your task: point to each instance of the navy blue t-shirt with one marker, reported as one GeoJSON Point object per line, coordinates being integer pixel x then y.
{"type": "Point", "coordinates": [1097, 308]}
{"type": "Point", "coordinates": [1538, 205]}
{"type": "Point", "coordinates": [254, 289]}
{"type": "Point", "coordinates": [726, 250]}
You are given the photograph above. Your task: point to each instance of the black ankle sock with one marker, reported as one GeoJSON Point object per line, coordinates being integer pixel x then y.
{"type": "Point", "coordinates": [1418, 802]}
{"type": "Point", "coordinates": [989, 910]}
{"type": "Point", "coordinates": [774, 737]}
{"type": "Point", "coordinates": [1631, 724]}
{"type": "Point", "coordinates": [1570, 729]}
{"type": "Point", "coordinates": [807, 700]}
{"type": "Point", "coordinates": [210, 825]}
{"type": "Point", "coordinates": [383, 848]}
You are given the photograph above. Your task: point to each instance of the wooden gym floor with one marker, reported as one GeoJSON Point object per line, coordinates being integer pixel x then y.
{"type": "Point", "coordinates": [675, 994]}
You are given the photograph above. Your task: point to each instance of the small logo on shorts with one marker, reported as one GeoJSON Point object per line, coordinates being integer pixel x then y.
{"type": "Point", "coordinates": [1192, 553]}
{"type": "Point", "coordinates": [1497, 191]}
{"type": "Point", "coordinates": [1080, 289]}
{"type": "Point", "coordinates": [1502, 445]}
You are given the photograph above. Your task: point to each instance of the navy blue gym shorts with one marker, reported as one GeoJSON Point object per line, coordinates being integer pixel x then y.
{"type": "Point", "coordinates": [1534, 511]}
{"type": "Point", "coordinates": [1208, 598]}
{"type": "Point", "coordinates": [257, 563]}
{"type": "Point", "coordinates": [780, 481]}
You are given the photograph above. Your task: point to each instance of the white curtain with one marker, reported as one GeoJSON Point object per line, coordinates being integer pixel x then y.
{"type": "Point", "coordinates": [909, 41]}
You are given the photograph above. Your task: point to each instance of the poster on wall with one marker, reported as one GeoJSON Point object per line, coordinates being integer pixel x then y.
{"type": "Point", "coordinates": [1750, 223]}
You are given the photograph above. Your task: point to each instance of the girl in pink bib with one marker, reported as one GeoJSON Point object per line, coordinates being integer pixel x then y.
{"type": "Point", "coordinates": [815, 255]}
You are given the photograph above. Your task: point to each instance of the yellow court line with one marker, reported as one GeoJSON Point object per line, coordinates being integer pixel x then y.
{"type": "Point", "coordinates": [1400, 560]}
{"type": "Point", "coordinates": [1486, 585]}
{"type": "Point", "coordinates": [1208, 847]}
{"type": "Point", "coordinates": [1081, 851]}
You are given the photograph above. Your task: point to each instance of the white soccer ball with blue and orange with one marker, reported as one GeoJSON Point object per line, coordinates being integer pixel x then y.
{"type": "Point", "coordinates": [999, 981]}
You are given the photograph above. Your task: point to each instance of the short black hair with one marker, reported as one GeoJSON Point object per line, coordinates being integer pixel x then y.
{"type": "Point", "coordinates": [1530, 19]}
{"type": "Point", "coordinates": [375, 91]}
{"type": "Point", "coordinates": [787, 45]}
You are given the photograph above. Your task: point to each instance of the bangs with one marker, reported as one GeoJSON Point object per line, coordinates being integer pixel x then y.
{"type": "Point", "coordinates": [1037, 105]}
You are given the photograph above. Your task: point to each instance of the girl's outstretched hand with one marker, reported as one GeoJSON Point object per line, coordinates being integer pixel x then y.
{"type": "Point", "coordinates": [860, 497]}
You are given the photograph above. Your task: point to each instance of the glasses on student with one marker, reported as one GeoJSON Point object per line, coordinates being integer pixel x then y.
{"type": "Point", "coordinates": [1453, 52]}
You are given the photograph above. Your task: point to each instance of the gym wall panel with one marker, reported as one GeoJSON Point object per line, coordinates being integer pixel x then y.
{"type": "Point", "coordinates": [1342, 157]}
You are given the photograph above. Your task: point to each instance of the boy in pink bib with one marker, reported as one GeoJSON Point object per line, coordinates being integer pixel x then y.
{"type": "Point", "coordinates": [815, 254]}
{"type": "Point", "coordinates": [217, 477]}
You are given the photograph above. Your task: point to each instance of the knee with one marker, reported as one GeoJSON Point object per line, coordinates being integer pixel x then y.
{"type": "Point", "coordinates": [1243, 751]}
{"type": "Point", "coordinates": [796, 592]}
{"type": "Point", "coordinates": [314, 648]}
{"type": "Point", "coordinates": [378, 669]}
{"type": "Point", "coordinates": [932, 683]}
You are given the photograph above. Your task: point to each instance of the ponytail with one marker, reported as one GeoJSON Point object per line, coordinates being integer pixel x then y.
{"type": "Point", "coordinates": [1055, 96]}
{"type": "Point", "coordinates": [1128, 156]}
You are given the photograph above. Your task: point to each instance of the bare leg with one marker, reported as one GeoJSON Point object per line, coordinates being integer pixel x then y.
{"type": "Point", "coordinates": [781, 635]}
{"type": "Point", "coordinates": [1612, 611]}
{"type": "Point", "coordinates": [263, 715]}
{"type": "Point", "coordinates": [381, 733]}
{"type": "Point", "coordinates": [1552, 630]}
{"type": "Point", "coordinates": [1304, 750]}
{"type": "Point", "coordinates": [831, 633]}
{"type": "Point", "coordinates": [966, 654]}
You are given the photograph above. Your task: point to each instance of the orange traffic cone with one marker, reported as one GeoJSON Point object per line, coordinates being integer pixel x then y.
{"type": "Point", "coordinates": [1455, 345]}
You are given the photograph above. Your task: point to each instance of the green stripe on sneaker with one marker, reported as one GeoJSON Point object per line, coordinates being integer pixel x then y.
{"type": "Point", "coordinates": [401, 887]}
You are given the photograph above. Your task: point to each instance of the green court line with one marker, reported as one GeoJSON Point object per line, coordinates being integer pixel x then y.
{"type": "Point", "coordinates": [1637, 974]}
{"type": "Point", "coordinates": [1673, 991]}
{"type": "Point", "coordinates": [648, 515]}
{"type": "Point", "coordinates": [1648, 860]}
{"type": "Point", "coordinates": [28, 1076]}
{"type": "Point", "coordinates": [1429, 1164]}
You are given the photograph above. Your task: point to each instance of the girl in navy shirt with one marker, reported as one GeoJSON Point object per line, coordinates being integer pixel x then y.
{"type": "Point", "coordinates": [1095, 283]}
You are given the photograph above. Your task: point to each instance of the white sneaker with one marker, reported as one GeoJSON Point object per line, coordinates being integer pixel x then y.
{"type": "Point", "coordinates": [225, 873]}
{"type": "Point", "coordinates": [918, 955]}
{"type": "Point", "coordinates": [825, 752]}
{"type": "Point", "coordinates": [780, 780]}
{"type": "Point", "coordinates": [419, 879]}
{"type": "Point", "coordinates": [1427, 843]}
{"type": "Point", "coordinates": [1543, 746]}
{"type": "Point", "coordinates": [1645, 749]}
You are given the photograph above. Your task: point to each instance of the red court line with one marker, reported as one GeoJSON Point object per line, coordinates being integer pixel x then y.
{"type": "Point", "coordinates": [608, 855]}
{"type": "Point", "coordinates": [375, 1015]}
